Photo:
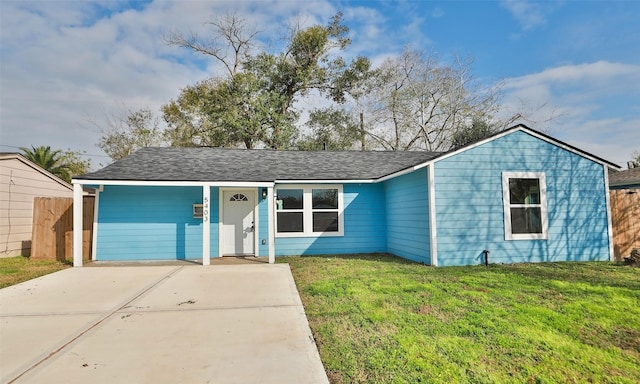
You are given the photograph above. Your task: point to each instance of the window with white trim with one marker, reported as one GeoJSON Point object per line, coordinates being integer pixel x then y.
{"type": "Point", "coordinates": [309, 210]}
{"type": "Point", "coordinates": [524, 196]}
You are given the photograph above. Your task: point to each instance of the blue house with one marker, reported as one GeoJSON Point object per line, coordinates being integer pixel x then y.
{"type": "Point", "coordinates": [520, 195]}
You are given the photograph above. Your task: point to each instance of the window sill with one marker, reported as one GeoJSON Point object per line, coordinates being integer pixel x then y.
{"type": "Point", "coordinates": [528, 236]}
{"type": "Point", "coordinates": [311, 235]}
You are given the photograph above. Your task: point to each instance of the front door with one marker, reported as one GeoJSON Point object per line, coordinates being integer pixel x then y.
{"type": "Point", "coordinates": [238, 234]}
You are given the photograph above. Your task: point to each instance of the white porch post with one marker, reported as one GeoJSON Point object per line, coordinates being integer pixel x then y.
{"type": "Point", "coordinates": [77, 225]}
{"type": "Point", "coordinates": [206, 225]}
{"type": "Point", "coordinates": [270, 226]}
{"type": "Point", "coordinates": [433, 239]}
{"type": "Point", "coordinates": [96, 210]}
{"type": "Point", "coordinates": [607, 196]}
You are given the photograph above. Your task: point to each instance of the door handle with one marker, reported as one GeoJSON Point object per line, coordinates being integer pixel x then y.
{"type": "Point", "coordinates": [253, 227]}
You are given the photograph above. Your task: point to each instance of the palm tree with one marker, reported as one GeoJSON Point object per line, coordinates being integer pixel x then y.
{"type": "Point", "coordinates": [49, 160]}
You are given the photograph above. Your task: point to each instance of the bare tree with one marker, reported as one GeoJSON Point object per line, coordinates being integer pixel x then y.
{"type": "Point", "coordinates": [635, 163]}
{"type": "Point", "coordinates": [231, 44]}
{"type": "Point", "coordinates": [131, 130]}
{"type": "Point", "coordinates": [537, 115]}
{"type": "Point", "coordinates": [419, 103]}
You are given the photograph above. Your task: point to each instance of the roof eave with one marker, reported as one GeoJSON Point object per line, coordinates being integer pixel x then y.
{"type": "Point", "coordinates": [166, 183]}
{"type": "Point", "coordinates": [539, 135]}
{"type": "Point", "coordinates": [37, 168]}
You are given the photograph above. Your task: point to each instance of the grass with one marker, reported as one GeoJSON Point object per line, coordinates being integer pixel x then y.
{"type": "Point", "coordinates": [14, 270]}
{"type": "Point", "coordinates": [381, 319]}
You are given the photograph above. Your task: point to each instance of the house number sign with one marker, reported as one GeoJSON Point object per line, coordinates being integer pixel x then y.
{"type": "Point", "coordinates": [205, 210]}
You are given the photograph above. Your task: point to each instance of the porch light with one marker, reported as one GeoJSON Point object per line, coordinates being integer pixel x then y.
{"type": "Point", "coordinates": [264, 193]}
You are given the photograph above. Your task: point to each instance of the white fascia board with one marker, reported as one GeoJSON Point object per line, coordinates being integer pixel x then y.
{"type": "Point", "coordinates": [403, 172]}
{"type": "Point", "coordinates": [479, 143]}
{"type": "Point", "coordinates": [435, 160]}
{"type": "Point", "coordinates": [532, 133]}
{"type": "Point", "coordinates": [497, 136]}
{"type": "Point", "coordinates": [348, 181]}
{"type": "Point", "coordinates": [567, 148]}
{"type": "Point", "coordinates": [240, 184]}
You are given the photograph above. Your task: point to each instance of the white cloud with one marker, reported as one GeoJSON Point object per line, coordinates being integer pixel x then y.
{"type": "Point", "coordinates": [612, 139]}
{"type": "Point", "coordinates": [593, 104]}
{"type": "Point", "coordinates": [600, 71]}
{"type": "Point", "coordinates": [529, 14]}
{"type": "Point", "coordinates": [370, 30]}
{"type": "Point", "coordinates": [66, 64]}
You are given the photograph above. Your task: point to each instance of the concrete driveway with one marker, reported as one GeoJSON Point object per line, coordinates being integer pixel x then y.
{"type": "Point", "coordinates": [158, 324]}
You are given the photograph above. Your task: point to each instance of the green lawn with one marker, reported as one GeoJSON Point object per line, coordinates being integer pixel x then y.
{"type": "Point", "coordinates": [381, 319]}
{"type": "Point", "coordinates": [14, 270]}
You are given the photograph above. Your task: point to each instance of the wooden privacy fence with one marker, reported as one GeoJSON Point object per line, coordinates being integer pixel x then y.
{"type": "Point", "coordinates": [52, 233]}
{"type": "Point", "coordinates": [625, 220]}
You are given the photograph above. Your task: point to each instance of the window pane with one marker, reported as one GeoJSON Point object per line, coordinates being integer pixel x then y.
{"type": "Point", "coordinates": [325, 222]}
{"type": "Point", "coordinates": [524, 191]}
{"type": "Point", "coordinates": [238, 197]}
{"type": "Point", "coordinates": [526, 220]}
{"type": "Point", "coordinates": [290, 222]}
{"type": "Point", "coordinates": [325, 199]}
{"type": "Point", "coordinates": [289, 199]}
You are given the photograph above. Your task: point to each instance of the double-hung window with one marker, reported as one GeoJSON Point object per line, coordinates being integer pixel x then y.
{"type": "Point", "coordinates": [290, 206]}
{"type": "Point", "coordinates": [309, 210]}
{"type": "Point", "coordinates": [525, 205]}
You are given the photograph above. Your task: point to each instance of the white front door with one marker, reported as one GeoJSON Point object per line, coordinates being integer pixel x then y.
{"type": "Point", "coordinates": [238, 227]}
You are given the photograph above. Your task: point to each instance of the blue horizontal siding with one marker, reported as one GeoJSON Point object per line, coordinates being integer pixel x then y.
{"type": "Point", "coordinates": [263, 225]}
{"type": "Point", "coordinates": [364, 226]}
{"type": "Point", "coordinates": [214, 230]}
{"type": "Point", "coordinates": [407, 208]}
{"type": "Point", "coordinates": [470, 213]}
{"type": "Point", "coordinates": [152, 223]}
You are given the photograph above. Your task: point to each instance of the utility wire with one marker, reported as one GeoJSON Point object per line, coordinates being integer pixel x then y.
{"type": "Point", "coordinates": [79, 154]}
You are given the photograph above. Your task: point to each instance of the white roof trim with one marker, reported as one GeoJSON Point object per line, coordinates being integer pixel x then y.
{"type": "Point", "coordinates": [479, 143]}
{"type": "Point", "coordinates": [521, 128]}
{"type": "Point", "coordinates": [403, 172]}
{"type": "Point", "coordinates": [328, 181]}
{"type": "Point", "coordinates": [240, 184]}
{"type": "Point", "coordinates": [506, 132]}
{"type": "Point", "coordinates": [36, 167]}
{"type": "Point", "coordinates": [524, 129]}
{"type": "Point", "coordinates": [565, 147]}
{"type": "Point", "coordinates": [153, 183]}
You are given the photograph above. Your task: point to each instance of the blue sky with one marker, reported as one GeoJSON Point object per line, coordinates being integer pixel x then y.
{"type": "Point", "coordinates": [66, 65]}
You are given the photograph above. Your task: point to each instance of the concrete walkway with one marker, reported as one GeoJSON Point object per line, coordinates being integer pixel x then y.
{"type": "Point", "coordinates": [158, 324]}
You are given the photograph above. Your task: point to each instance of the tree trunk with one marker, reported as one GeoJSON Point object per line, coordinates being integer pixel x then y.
{"type": "Point", "coordinates": [362, 133]}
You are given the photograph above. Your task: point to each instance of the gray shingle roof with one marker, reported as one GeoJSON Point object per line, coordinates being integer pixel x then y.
{"type": "Point", "coordinates": [630, 177]}
{"type": "Point", "coordinates": [241, 165]}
